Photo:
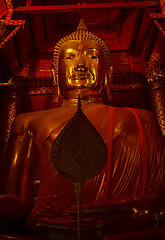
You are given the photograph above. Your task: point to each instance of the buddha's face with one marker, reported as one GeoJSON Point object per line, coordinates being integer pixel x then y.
{"type": "Point", "coordinates": [81, 68]}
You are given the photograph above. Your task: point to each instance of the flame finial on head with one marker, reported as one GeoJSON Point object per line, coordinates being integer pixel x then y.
{"type": "Point", "coordinates": [82, 25]}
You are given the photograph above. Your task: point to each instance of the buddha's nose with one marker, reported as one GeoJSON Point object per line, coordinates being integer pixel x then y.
{"type": "Point", "coordinates": [81, 68]}
{"type": "Point", "coordinates": [81, 64]}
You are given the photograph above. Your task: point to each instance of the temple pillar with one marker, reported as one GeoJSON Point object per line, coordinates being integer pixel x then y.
{"type": "Point", "coordinates": [10, 106]}
{"type": "Point", "coordinates": [156, 82]}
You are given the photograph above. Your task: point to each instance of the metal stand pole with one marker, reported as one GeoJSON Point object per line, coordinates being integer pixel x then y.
{"type": "Point", "coordinates": [78, 192]}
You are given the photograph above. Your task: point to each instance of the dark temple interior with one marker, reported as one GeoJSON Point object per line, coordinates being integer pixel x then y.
{"type": "Point", "coordinates": [29, 30]}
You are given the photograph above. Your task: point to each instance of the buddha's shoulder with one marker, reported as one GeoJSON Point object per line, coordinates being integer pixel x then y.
{"type": "Point", "coordinates": [127, 123]}
{"type": "Point", "coordinates": [133, 112]}
{"type": "Point", "coordinates": [44, 114]}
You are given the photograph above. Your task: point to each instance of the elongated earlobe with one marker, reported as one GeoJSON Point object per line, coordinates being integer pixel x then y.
{"type": "Point", "coordinates": [56, 85]}
{"type": "Point", "coordinates": [108, 83]}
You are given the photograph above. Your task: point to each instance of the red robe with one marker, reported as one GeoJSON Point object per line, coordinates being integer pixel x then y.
{"type": "Point", "coordinates": [135, 162]}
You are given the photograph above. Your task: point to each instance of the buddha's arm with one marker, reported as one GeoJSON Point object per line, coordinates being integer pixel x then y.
{"type": "Point", "coordinates": [19, 174]}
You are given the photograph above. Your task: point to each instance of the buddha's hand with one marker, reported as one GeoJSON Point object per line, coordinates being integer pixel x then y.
{"type": "Point", "coordinates": [123, 211]}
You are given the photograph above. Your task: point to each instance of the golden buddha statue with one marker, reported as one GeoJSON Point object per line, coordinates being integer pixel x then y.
{"type": "Point", "coordinates": [130, 187]}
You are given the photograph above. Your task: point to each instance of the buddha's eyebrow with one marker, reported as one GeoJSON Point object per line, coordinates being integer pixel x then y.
{"type": "Point", "coordinates": [70, 50]}
{"type": "Point", "coordinates": [93, 50]}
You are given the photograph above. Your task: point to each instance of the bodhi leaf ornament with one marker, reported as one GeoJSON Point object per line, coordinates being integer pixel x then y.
{"type": "Point", "coordinates": [79, 152]}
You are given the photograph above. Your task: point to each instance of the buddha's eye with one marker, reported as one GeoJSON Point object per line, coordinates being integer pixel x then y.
{"type": "Point", "coordinates": [94, 57]}
{"type": "Point", "coordinates": [92, 53]}
{"type": "Point", "coordinates": [70, 54]}
{"type": "Point", "coordinates": [69, 57]}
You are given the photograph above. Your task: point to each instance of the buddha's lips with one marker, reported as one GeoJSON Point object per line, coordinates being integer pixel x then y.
{"type": "Point", "coordinates": [81, 76]}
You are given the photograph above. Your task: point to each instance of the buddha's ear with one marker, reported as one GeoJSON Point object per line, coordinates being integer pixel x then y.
{"type": "Point", "coordinates": [56, 84]}
{"type": "Point", "coordinates": [108, 82]}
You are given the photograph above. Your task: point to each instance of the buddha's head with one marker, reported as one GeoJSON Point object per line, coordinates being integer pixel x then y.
{"type": "Point", "coordinates": [81, 64]}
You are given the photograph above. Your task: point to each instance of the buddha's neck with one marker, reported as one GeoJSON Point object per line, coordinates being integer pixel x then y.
{"type": "Point", "coordinates": [84, 93]}
{"type": "Point", "coordinates": [74, 101]}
